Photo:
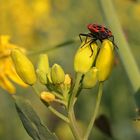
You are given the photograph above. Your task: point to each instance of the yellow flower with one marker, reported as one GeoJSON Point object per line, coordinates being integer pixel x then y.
{"type": "Point", "coordinates": [7, 71]}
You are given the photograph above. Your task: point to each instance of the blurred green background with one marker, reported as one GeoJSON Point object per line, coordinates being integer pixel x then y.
{"type": "Point", "coordinates": [39, 24]}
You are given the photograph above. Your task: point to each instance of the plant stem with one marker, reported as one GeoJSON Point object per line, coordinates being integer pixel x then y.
{"type": "Point", "coordinates": [57, 95]}
{"type": "Point", "coordinates": [71, 115]}
{"type": "Point", "coordinates": [73, 125]}
{"type": "Point", "coordinates": [94, 112]}
{"type": "Point", "coordinates": [54, 111]}
{"type": "Point", "coordinates": [126, 55]}
{"type": "Point", "coordinates": [61, 102]}
{"type": "Point", "coordinates": [58, 114]}
{"type": "Point", "coordinates": [75, 90]}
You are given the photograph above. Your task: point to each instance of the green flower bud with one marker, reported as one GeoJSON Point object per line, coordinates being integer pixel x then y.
{"type": "Point", "coordinates": [90, 78]}
{"type": "Point", "coordinates": [105, 60]}
{"type": "Point", "coordinates": [57, 74]}
{"type": "Point", "coordinates": [24, 67]}
{"type": "Point", "coordinates": [43, 68]}
{"type": "Point", "coordinates": [84, 57]}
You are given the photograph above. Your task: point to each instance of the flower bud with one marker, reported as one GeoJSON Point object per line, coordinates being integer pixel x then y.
{"type": "Point", "coordinates": [67, 83]}
{"type": "Point", "coordinates": [90, 78]}
{"type": "Point", "coordinates": [47, 96]}
{"type": "Point", "coordinates": [105, 60]}
{"type": "Point", "coordinates": [43, 68]}
{"type": "Point", "coordinates": [84, 57]}
{"type": "Point", "coordinates": [57, 74]}
{"type": "Point", "coordinates": [23, 66]}
{"type": "Point", "coordinates": [67, 80]}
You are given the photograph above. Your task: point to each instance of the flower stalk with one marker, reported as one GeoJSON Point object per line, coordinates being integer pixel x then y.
{"type": "Point", "coordinates": [95, 112]}
{"type": "Point", "coordinates": [71, 115]}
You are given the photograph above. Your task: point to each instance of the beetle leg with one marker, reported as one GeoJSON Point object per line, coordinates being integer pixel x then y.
{"type": "Point", "coordinates": [93, 40]}
{"type": "Point", "coordinates": [112, 38]}
{"type": "Point", "coordinates": [82, 35]}
{"type": "Point", "coordinates": [87, 35]}
{"type": "Point", "coordinates": [113, 41]}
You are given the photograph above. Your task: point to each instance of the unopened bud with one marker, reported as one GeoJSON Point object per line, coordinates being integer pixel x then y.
{"type": "Point", "coordinates": [105, 60]}
{"type": "Point", "coordinates": [67, 80]}
{"type": "Point", "coordinates": [85, 57]}
{"type": "Point", "coordinates": [57, 74]}
{"type": "Point", "coordinates": [43, 68]}
{"type": "Point", "coordinates": [90, 78]}
{"type": "Point", "coordinates": [24, 67]}
{"type": "Point", "coordinates": [47, 96]}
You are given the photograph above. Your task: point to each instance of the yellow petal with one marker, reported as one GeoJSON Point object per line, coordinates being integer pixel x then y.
{"type": "Point", "coordinates": [10, 72]}
{"type": "Point", "coordinates": [4, 39]}
{"type": "Point", "coordinates": [105, 60]}
{"type": "Point", "coordinates": [24, 67]}
{"type": "Point", "coordinates": [14, 77]}
{"type": "Point", "coordinates": [6, 84]}
{"type": "Point", "coordinates": [84, 58]}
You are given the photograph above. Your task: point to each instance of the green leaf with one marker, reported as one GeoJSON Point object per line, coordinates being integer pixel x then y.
{"type": "Point", "coordinates": [31, 121]}
{"type": "Point", "coordinates": [137, 98]}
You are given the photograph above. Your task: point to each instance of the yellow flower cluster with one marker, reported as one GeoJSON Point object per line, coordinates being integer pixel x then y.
{"type": "Point", "coordinates": [95, 67]}
{"type": "Point", "coordinates": [7, 70]}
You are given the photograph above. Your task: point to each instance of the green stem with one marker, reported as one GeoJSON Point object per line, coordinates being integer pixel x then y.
{"type": "Point", "coordinates": [95, 112]}
{"type": "Point", "coordinates": [61, 102]}
{"type": "Point", "coordinates": [57, 95]}
{"type": "Point", "coordinates": [58, 114]}
{"type": "Point", "coordinates": [126, 55]}
{"type": "Point", "coordinates": [71, 115]}
{"type": "Point", "coordinates": [75, 90]}
{"type": "Point", "coordinates": [73, 125]}
{"type": "Point", "coordinates": [54, 111]}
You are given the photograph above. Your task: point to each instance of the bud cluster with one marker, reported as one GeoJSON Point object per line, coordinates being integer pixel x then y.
{"type": "Point", "coordinates": [54, 78]}
{"type": "Point", "coordinates": [94, 62]}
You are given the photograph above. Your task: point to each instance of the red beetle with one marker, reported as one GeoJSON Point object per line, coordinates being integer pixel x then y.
{"type": "Point", "coordinates": [97, 32]}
